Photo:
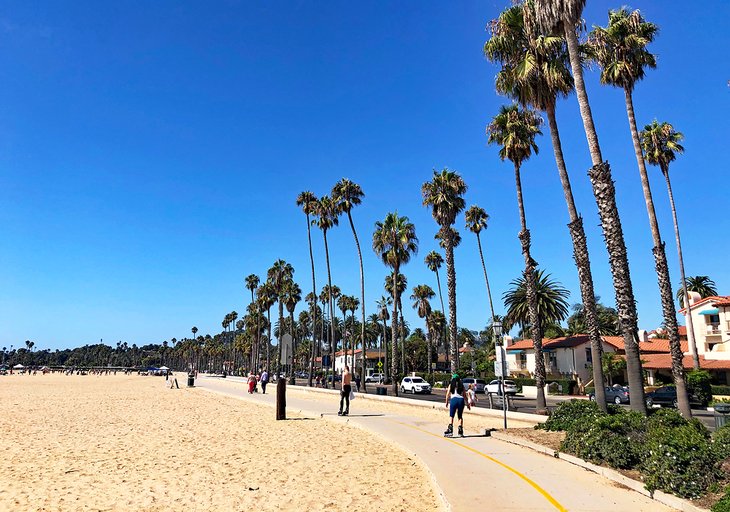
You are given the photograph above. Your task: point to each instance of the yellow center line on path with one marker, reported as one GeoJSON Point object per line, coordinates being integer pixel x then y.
{"type": "Point", "coordinates": [532, 484]}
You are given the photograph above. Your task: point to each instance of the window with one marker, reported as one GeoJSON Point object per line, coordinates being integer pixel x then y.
{"type": "Point", "coordinates": [714, 319]}
{"type": "Point", "coordinates": [589, 354]}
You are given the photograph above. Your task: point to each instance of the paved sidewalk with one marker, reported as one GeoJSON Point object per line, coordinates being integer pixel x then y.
{"type": "Point", "coordinates": [475, 472]}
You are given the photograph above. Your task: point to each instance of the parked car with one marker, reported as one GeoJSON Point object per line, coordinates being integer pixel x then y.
{"type": "Point", "coordinates": [614, 394]}
{"type": "Point", "coordinates": [510, 388]}
{"type": "Point", "coordinates": [375, 377]}
{"type": "Point", "coordinates": [338, 378]}
{"type": "Point", "coordinates": [414, 385]}
{"type": "Point", "coordinates": [479, 384]}
{"type": "Point", "coordinates": [667, 396]}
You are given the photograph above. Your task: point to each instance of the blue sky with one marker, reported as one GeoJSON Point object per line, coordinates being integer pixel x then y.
{"type": "Point", "coordinates": [151, 154]}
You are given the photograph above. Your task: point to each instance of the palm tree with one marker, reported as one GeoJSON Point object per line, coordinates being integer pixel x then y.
{"type": "Point", "coordinates": [278, 276]}
{"type": "Point", "coordinates": [353, 304]}
{"type": "Point", "coordinates": [444, 194]}
{"type": "Point", "coordinates": [421, 297]}
{"type": "Point", "coordinates": [348, 194]}
{"type": "Point", "coordinates": [308, 201]}
{"type": "Point", "coordinates": [702, 285]}
{"type": "Point", "coordinates": [394, 240]}
{"type": "Point", "coordinates": [660, 143]}
{"type": "Point", "coordinates": [515, 129]}
{"type": "Point", "coordinates": [266, 297]}
{"type": "Point", "coordinates": [476, 221]}
{"type": "Point", "coordinates": [383, 304]}
{"type": "Point", "coordinates": [534, 73]}
{"type": "Point", "coordinates": [252, 282]}
{"type": "Point", "coordinates": [552, 301]}
{"type": "Point", "coordinates": [565, 15]}
{"type": "Point", "coordinates": [401, 284]}
{"type": "Point", "coordinates": [326, 217]}
{"type": "Point", "coordinates": [433, 261]}
{"type": "Point", "coordinates": [436, 324]}
{"type": "Point", "coordinates": [620, 51]}
{"type": "Point", "coordinates": [291, 295]}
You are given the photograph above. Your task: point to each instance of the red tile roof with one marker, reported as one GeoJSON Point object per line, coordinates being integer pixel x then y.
{"type": "Point", "coordinates": [723, 303]}
{"type": "Point", "coordinates": [664, 362]}
{"type": "Point", "coordinates": [683, 330]}
{"type": "Point", "coordinates": [712, 298]}
{"type": "Point", "coordinates": [566, 342]}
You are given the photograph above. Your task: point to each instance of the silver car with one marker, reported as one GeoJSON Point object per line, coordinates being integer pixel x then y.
{"type": "Point", "coordinates": [510, 388]}
{"type": "Point", "coordinates": [479, 384]}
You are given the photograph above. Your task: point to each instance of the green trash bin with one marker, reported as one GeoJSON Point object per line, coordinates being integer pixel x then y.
{"type": "Point", "coordinates": [722, 415]}
{"type": "Point", "coordinates": [381, 390]}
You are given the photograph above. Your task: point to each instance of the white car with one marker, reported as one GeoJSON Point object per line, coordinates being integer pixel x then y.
{"type": "Point", "coordinates": [510, 388]}
{"type": "Point", "coordinates": [415, 385]}
{"type": "Point", "coordinates": [375, 377]}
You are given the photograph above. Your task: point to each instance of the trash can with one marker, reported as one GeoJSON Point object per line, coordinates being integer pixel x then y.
{"type": "Point", "coordinates": [381, 390]}
{"type": "Point", "coordinates": [191, 380]}
{"type": "Point", "coordinates": [722, 415]}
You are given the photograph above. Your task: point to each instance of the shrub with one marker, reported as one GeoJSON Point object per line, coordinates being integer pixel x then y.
{"type": "Point", "coordinates": [616, 440]}
{"type": "Point", "coordinates": [724, 504]}
{"type": "Point", "coordinates": [698, 383]}
{"type": "Point", "coordinates": [567, 386]}
{"type": "Point", "coordinates": [565, 415]}
{"type": "Point", "coordinates": [679, 460]}
{"type": "Point", "coordinates": [720, 390]}
{"type": "Point", "coordinates": [671, 418]}
{"type": "Point", "coordinates": [721, 443]}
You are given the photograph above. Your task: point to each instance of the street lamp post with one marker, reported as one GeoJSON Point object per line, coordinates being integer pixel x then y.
{"type": "Point", "coordinates": [497, 331]}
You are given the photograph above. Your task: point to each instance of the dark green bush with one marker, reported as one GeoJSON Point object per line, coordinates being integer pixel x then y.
{"type": "Point", "coordinates": [679, 461]}
{"type": "Point", "coordinates": [698, 383]}
{"type": "Point", "coordinates": [721, 443]}
{"type": "Point", "coordinates": [671, 418]}
{"type": "Point", "coordinates": [724, 504]}
{"type": "Point", "coordinates": [616, 440]}
{"type": "Point", "coordinates": [720, 390]}
{"type": "Point", "coordinates": [565, 415]}
{"type": "Point", "coordinates": [567, 386]}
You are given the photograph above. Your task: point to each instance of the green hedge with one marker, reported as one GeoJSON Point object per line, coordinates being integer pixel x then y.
{"type": "Point", "coordinates": [720, 390]}
{"type": "Point", "coordinates": [724, 504]}
{"type": "Point", "coordinates": [698, 382]}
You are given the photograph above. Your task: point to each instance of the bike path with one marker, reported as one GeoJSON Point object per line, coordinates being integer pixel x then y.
{"type": "Point", "coordinates": [475, 472]}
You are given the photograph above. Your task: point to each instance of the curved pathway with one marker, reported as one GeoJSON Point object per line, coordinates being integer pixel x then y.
{"type": "Point", "coordinates": [475, 472]}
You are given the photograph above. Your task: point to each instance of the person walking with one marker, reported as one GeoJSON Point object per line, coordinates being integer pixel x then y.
{"type": "Point", "coordinates": [455, 403]}
{"type": "Point", "coordinates": [251, 382]}
{"type": "Point", "coordinates": [345, 392]}
{"type": "Point", "coordinates": [471, 396]}
{"type": "Point", "coordinates": [264, 381]}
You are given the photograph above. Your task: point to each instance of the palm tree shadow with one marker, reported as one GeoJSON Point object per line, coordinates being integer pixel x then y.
{"type": "Point", "coordinates": [299, 419]}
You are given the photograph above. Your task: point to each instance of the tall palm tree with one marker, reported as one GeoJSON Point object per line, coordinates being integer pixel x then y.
{"type": "Point", "coordinates": [444, 194]}
{"type": "Point", "coordinates": [267, 297]}
{"type": "Point", "coordinates": [620, 49]}
{"type": "Point", "coordinates": [476, 220]}
{"type": "Point", "coordinates": [278, 277]}
{"type": "Point", "coordinates": [308, 202]}
{"type": "Point", "coordinates": [252, 282]}
{"type": "Point", "coordinates": [343, 304]}
{"type": "Point", "coordinates": [535, 73]}
{"type": "Point", "coordinates": [433, 261]}
{"type": "Point", "coordinates": [394, 240]}
{"type": "Point", "coordinates": [353, 304]}
{"type": "Point", "coordinates": [383, 304]}
{"type": "Point", "coordinates": [327, 215]}
{"type": "Point", "coordinates": [436, 324]}
{"type": "Point", "coordinates": [514, 129]}
{"type": "Point", "coordinates": [702, 285]}
{"type": "Point", "coordinates": [401, 284]}
{"type": "Point", "coordinates": [565, 16]}
{"type": "Point", "coordinates": [661, 143]}
{"type": "Point", "coordinates": [421, 297]}
{"type": "Point", "coordinates": [348, 194]}
{"type": "Point", "coordinates": [292, 295]}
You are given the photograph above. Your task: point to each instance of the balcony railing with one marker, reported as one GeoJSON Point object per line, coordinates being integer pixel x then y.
{"type": "Point", "coordinates": [713, 329]}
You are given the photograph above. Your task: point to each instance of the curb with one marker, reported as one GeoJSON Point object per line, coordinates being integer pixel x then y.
{"type": "Point", "coordinates": [608, 473]}
{"type": "Point", "coordinates": [479, 411]}
{"type": "Point", "coordinates": [339, 419]}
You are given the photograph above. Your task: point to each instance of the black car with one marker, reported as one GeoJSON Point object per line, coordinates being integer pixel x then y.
{"type": "Point", "coordinates": [614, 394]}
{"type": "Point", "coordinates": [667, 396]}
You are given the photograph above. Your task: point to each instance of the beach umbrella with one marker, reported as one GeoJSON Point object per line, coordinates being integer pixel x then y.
{"type": "Point", "coordinates": [163, 368]}
{"type": "Point", "coordinates": [18, 367]}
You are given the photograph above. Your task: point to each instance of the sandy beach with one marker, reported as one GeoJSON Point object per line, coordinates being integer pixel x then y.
{"type": "Point", "coordinates": [128, 443]}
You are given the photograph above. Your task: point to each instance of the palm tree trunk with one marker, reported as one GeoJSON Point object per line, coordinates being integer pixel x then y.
{"type": "Point", "coordinates": [486, 279]}
{"type": "Point", "coordinates": [362, 299]}
{"type": "Point", "coordinates": [690, 328]}
{"type": "Point", "coordinates": [385, 344]}
{"type": "Point", "coordinates": [605, 195]}
{"type": "Point", "coordinates": [268, 340]}
{"type": "Point", "coordinates": [582, 261]}
{"type": "Point", "coordinates": [332, 309]}
{"type": "Point", "coordinates": [662, 268]}
{"type": "Point", "coordinates": [443, 309]}
{"type": "Point", "coordinates": [394, 332]}
{"type": "Point", "coordinates": [314, 303]}
{"type": "Point", "coordinates": [402, 337]}
{"type": "Point", "coordinates": [451, 285]}
{"type": "Point", "coordinates": [531, 293]}
{"type": "Point", "coordinates": [430, 353]}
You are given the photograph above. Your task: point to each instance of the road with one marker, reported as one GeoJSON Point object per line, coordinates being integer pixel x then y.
{"type": "Point", "coordinates": [521, 403]}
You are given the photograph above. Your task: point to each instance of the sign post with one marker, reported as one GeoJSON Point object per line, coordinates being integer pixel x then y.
{"type": "Point", "coordinates": [500, 365]}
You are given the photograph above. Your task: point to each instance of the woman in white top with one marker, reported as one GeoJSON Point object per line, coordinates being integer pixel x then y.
{"type": "Point", "coordinates": [455, 403]}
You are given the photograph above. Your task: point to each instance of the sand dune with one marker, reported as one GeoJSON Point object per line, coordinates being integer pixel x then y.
{"type": "Point", "coordinates": [128, 443]}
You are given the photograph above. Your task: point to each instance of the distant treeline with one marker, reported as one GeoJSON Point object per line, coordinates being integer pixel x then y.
{"type": "Point", "coordinates": [95, 355]}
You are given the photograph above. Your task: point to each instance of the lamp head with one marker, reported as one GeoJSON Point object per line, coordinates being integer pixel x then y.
{"type": "Point", "coordinates": [497, 328]}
